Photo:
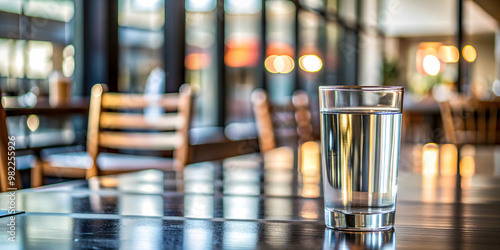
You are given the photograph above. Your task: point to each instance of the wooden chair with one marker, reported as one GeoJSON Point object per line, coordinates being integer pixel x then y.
{"type": "Point", "coordinates": [282, 125]}
{"type": "Point", "coordinates": [121, 123]}
{"type": "Point", "coordinates": [303, 117]}
{"type": "Point", "coordinates": [468, 121]}
{"type": "Point", "coordinates": [7, 157]}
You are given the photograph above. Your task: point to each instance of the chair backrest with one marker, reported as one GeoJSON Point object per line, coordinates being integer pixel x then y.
{"type": "Point", "coordinates": [282, 125]}
{"type": "Point", "coordinates": [303, 116]}
{"type": "Point", "coordinates": [469, 121]}
{"type": "Point", "coordinates": [262, 113]}
{"type": "Point", "coordinates": [10, 180]}
{"type": "Point", "coordinates": [120, 121]}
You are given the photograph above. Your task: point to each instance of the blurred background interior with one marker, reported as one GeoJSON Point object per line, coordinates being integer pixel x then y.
{"type": "Point", "coordinates": [444, 52]}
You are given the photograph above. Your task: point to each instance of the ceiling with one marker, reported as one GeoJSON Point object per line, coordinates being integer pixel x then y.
{"type": "Point", "coordinates": [409, 18]}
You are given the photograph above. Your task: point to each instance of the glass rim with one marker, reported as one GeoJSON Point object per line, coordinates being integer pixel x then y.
{"type": "Point", "coordinates": [359, 88]}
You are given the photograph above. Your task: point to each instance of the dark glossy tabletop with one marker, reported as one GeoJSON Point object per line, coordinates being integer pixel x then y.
{"type": "Point", "coordinates": [245, 203]}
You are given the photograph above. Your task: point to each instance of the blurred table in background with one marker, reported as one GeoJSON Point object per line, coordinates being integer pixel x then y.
{"type": "Point", "coordinates": [42, 107]}
{"type": "Point", "coordinates": [251, 201]}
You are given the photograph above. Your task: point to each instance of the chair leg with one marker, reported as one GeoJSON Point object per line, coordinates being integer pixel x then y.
{"type": "Point", "coordinates": [37, 174]}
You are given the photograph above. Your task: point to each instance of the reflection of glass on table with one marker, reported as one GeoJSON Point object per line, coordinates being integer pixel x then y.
{"type": "Point", "coordinates": [359, 240]}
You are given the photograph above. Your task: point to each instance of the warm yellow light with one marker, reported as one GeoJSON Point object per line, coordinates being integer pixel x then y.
{"type": "Point", "coordinates": [448, 160]}
{"type": "Point", "coordinates": [428, 188]}
{"type": "Point", "coordinates": [430, 156]}
{"type": "Point", "coordinates": [467, 166]}
{"type": "Point", "coordinates": [33, 122]}
{"type": "Point", "coordinates": [469, 53]}
{"type": "Point", "coordinates": [448, 53]}
{"type": "Point", "coordinates": [431, 65]}
{"type": "Point", "coordinates": [310, 162]}
{"type": "Point", "coordinates": [310, 63]}
{"type": "Point", "coordinates": [279, 64]}
{"type": "Point", "coordinates": [197, 61]}
{"type": "Point", "coordinates": [310, 190]}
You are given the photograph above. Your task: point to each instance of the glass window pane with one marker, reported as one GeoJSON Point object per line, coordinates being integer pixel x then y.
{"type": "Point", "coordinates": [347, 10]}
{"type": "Point", "coordinates": [332, 57]}
{"type": "Point", "coordinates": [32, 44]}
{"type": "Point", "coordinates": [201, 64]}
{"type": "Point", "coordinates": [61, 10]}
{"type": "Point", "coordinates": [280, 50]}
{"type": "Point", "coordinates": [370, 59]}
{"type": "Point", "coordinates": [141, 38]}
{"type": "Point", "coordinates": [242, 57]}
{"type": "Point", "coordinates": [312, 45]}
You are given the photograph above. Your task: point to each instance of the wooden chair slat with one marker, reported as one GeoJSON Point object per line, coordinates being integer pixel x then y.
{"type": "Point", "coordinates": [151, 141]}
{"type": "Point", "coordinates": [139, 101]}
{"type": "Point", "coordinates": [139, 121]}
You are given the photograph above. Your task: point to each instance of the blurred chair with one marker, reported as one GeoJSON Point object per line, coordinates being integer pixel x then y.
{"type": "Point", "coordinates": [124, 131]}
{"type": "Point", "coordinates": [468, 121]}
{"type": "Point", "coordinates": [282, 125]}
{"type": "Point", "coordinates": [7, 157]}
{"type": "Point", "coordinates": [303, 117]}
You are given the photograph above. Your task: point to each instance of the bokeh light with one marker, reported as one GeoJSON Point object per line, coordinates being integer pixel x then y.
{"type": "Point", "coordinates": [310, 63]}
{"type": "Point", "coordinates": [467, 166]}
{"type": "Point", "coordinates": [242, 53]}
{"type": "Point", "coordinates": [431, 65]}
{"type": "Point", "coordinates": [448, 161]}
{"type": "Point", "coordinates": [197, 61]}
{"type": "Point", "coordinates": [430, 157]}
{"type": "Point", "coordinates": [33, 122]}
{"type": "Point", "coordinates": [279, 64]}
{"type": "Point", "coordinates": [467, 161]}
{"type": "Point", "coordinates": [448, 53]}
{"type": "Point", "coordinates": [469, 53]}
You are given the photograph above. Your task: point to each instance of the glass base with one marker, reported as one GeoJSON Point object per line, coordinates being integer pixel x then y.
{"type": "Point", "coordinates": [359, 222]}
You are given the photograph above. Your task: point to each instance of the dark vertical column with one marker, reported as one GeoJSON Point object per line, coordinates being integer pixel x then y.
{"type": "Point", "coordinates": [460, 44]}
{"type": "Point", "coordinates": [221, 66]}
{"type": "Point", "coordinates": [457, 211]}
{"type": "Point", "coordinates": [78, 42]}
{"type": "Point", "coordinates": [263, 36]}
{"type": "Point", "coordinates": [296, 38]}
{"type": "Point", "coordinates": [174, 47]}
{"type": "Point", "coordinates": [100, 44]}
{"type": "Point", "coordinates": [460, 78]}
{"type": "Point", "coordinates": [112, 45]}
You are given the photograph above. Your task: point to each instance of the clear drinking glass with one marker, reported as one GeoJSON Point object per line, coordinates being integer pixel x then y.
{"type": "Point", "coordinates": [360, 139]}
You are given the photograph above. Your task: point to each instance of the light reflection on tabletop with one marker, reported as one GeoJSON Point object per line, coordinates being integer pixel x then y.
{"type": "Point", "coordinates": [244, 202]}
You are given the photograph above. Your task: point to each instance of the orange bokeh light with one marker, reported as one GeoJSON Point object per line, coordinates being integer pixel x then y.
{"type": "Point", "coordinates": [448, 160]}
{"type": "Point", "coordinates": [279, 48]}
{"type": "Point", "coordinates": [242, 53]}
{"type": "Point", "coordinates": [469, 53]}
{"type": "Point", "coordinates": [197, 61]}
{"type": "Point", "coordinates": [448, 53]}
